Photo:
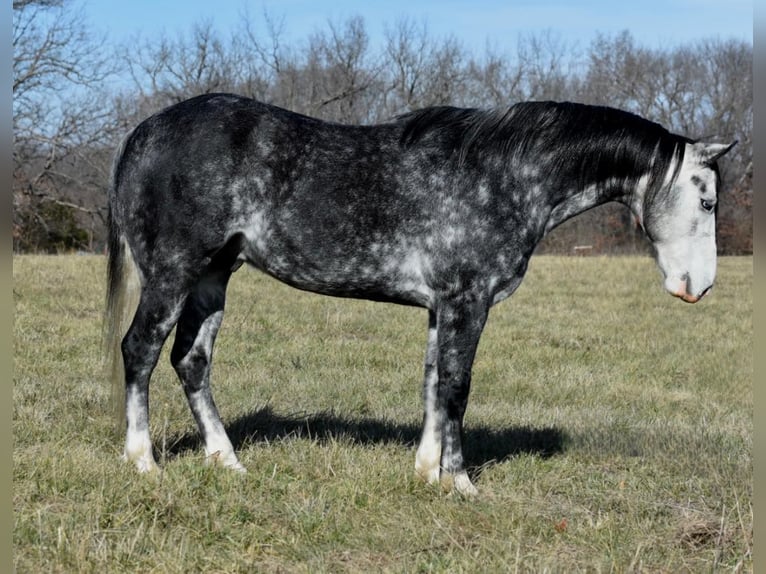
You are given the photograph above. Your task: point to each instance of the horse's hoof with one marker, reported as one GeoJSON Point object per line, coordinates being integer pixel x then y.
{"type": "Point", "coordinates": [143, 459]}
{"type": "Point", "coordinates": [427, 475]}
{"type": "Point", "coordinates": [228, 460]}
{"type": "Point", "coordinates": [458, 483]}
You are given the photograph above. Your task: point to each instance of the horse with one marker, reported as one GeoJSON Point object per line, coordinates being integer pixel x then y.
{"type": "Point", "coordinates": [439, 208]}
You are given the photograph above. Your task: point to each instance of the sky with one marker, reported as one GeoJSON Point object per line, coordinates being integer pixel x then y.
{"type": "Point", "coordinates": [475, 23]}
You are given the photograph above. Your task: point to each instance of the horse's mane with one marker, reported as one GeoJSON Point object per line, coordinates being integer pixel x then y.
{"type": "Point", "coordinates": [591, 143]}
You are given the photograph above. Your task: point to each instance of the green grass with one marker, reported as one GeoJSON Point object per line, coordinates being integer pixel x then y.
{"type": "Point", "coordinates": [609, 429]}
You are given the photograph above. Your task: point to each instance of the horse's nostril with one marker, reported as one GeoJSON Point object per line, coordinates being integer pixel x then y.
{"type": "Point", "coordinates": [706, 291]}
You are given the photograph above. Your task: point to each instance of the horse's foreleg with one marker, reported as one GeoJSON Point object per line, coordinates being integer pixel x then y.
{"type": "Point", "coordinates": [192, 360]}
{"type": "Point", "coordinates": [428, 456]}
{"type": "Point", "coordinates": [459, 326]}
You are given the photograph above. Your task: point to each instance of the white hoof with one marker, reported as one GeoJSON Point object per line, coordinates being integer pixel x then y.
{"type": "Point", "coordinates": [228, 460]}
{"type": "Point", "coordinates": [458, 483]}
{"type": "Point", "coordinates": [428, 474]}
{"type": "Point", "coordinates": [427, 461]}
{"type": "Point", "coordinates": [147, 466]}
{"type": "Point", "coordinates": [464, 486]}
{"type": "Point", "coordinates": [142, 463]}
{"type": "Point", "coordinates": [237, 467]}
{"type": "Point", "coordinates": [140, 454]}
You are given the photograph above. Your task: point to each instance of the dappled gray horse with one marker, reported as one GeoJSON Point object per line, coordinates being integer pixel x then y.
{"type": "Point", "coordinates": [440, 208]}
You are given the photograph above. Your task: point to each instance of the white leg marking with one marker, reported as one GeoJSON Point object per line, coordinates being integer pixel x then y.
{"type": "Point", "coordinates": [429, 453]}
{"type": "Point", "coordinates": [138, 443]}
{"type": "Point", "coordinates": [138, 449]}
{"type": "Point", "coordinates": [218, 448]}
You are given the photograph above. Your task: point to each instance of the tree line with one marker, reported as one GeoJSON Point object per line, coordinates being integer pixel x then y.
{"type": "Point", "coordinates": [74, 98]}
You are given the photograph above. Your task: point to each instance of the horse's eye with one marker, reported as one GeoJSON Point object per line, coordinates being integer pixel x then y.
{"type": "Point", "coordinates": [707, 205]}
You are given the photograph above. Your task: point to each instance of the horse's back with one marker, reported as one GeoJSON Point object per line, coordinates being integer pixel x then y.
{"type": "Point", "coordinates": [319, 205]}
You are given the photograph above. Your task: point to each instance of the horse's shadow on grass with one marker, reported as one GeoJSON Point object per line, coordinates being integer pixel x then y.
{"type": "Point", "coordinates": [484, 446]}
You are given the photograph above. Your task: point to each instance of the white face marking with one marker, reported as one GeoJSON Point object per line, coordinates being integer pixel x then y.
{"type": "Point", "coordinates": [684, 234]}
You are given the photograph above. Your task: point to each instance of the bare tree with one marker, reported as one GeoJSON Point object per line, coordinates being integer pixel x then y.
{"type": "Point", "coordinates": [543, 63]}
{"type": "Point", "coordinates": [340, 72]}
{"type": "Point", "coordinates": [495, 80]}
{"type": "Point", "coordinates": [58, 119]}
{"type": "Point", "coordinates": [407, 51]}
{"type": "Point", "coordinates": [447, 76]}
{"type": "Point", "coordinates": [262, 60]}
{"type": "Point", "coordinates": [171, 70]}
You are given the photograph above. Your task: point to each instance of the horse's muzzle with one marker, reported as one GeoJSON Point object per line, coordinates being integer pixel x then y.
{"type": "Point", "coordinates": [683, 294]}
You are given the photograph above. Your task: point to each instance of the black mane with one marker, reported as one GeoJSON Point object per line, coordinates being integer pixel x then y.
{"type": "Point", "coordinates": [590, 143]}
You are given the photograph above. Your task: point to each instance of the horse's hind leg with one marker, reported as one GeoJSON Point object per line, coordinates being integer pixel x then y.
{"type": "Point", "coordinates": [192, 356]}
{"type": "Point", "coordinates": [155, 317]}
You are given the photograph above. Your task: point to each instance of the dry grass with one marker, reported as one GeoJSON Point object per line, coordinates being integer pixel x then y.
{"type": "Point", "coordinates": [609, 428]}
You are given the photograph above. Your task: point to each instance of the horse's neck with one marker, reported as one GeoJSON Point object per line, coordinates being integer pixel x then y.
{"type": "Point", "coordinates": [576, 201]}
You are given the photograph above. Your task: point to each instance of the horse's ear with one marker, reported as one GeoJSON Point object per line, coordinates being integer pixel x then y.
{"type": "Point", "coordinates": [709, 153]}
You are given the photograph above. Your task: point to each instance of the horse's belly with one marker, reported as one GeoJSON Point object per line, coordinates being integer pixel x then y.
{"type": "Point", "coordinates": [351, 272]}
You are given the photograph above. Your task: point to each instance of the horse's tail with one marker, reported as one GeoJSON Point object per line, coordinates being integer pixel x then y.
{"type": "Point", "coordinates": [123, 290]}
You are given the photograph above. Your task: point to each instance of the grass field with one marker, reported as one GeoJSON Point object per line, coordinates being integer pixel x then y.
{"type": "Point", "coordinates": [609, 429]}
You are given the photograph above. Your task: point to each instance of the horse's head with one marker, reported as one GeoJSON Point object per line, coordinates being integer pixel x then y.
{"type": "Point", "coordinates": [680, 222]}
